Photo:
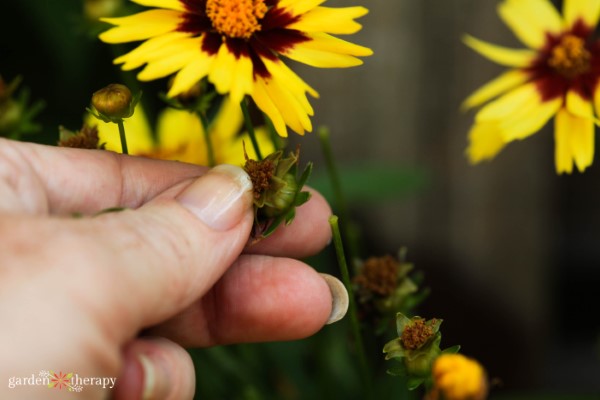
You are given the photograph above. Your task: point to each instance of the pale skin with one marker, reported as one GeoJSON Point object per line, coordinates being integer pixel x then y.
{"type": "Point", "coordinates": [119, 294]}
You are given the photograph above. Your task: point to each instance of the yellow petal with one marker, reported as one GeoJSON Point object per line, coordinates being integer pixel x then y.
{"type": "Point", "coordinates": [170, 4]}
{"type": "Point", "coordinates": [228, 121]}
{"type": "Point", "coordinates": [574, 138]}
{"type": "Point", "coordinates": [196, 69]}
{"type": "Point", "coordinates": [171, 59]}
{"type": "Point", "coordinates": [297, 7]}
{"type": "Point", "coordinates": [586, 10]}
{"type": "Point", "coordinates": [531, 20]}
{"type": "Point", "coordinates": [266, 105]}
{"type": "Point", "coordinates": [326, 51]}
{"type": "Point", "coordinates": [501, 84]}
{"type": "Point", "coordinates": [177, 128]}
{"type": "Point", "coordinates": [528, 119]}
{"type": "Point", "coordinates": [485, 141]}
{"type": "Point", "coordinates": [562, 146]}
{"type": "Point", "coordinates": [222, 69]}
{"type": "Point", "coordinates": [296, 86]}
{"type": "Point", "coordinates": [292, 112]}
{"type": "Point", "coordinates": [516, 99]}
{"type": "Point", "coordinates": [501, 55]}
{"type": "Point", "coordinates": [137, 132]}
{"type": "Point", "coordinates": [242, 80]}
{"type": "Point", "coordinates": [147, 50]}
{"type": "Point", "coordinates": [579, 106]}
{"type": "Point", "coordinates": [330, 20]}
{"type": "Point", "coordinates": [141, 26]}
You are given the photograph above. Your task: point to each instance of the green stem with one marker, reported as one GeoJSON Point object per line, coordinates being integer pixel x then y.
{"type": "Point", "coordinates": [339, 200]}
{"type": "Point", "coordinates": [334, 176]}
{"type": "Point", "coordinates": [123, 137]}
{"type": "Point", "coordinates": [360, 347]}
{"type": "Point", "coordinates": [274, 136]}
{"type": "Point", "coordinates": [250, 129]}
{"type": "Point", "coordinates": [209, 147]}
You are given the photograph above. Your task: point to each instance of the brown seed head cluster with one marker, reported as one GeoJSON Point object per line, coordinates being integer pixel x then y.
{"type": "Point", "coordinates": [86, 138]}
{"type": "Point", "coordinates": [416, 334]}
{"type": "Point", "coordinates": [260, 173]}
{"type": "Point", "coordinates": [379, 275]}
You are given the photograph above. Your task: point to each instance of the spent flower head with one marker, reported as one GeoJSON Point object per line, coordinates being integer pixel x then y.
{"type": "Point", "coordinates": [384, 287]}
{"type": "Point", "coordinates": [277, 190]}
{"type": "Point", "coordinates": [237, 45]}
{"type": "Point", "coordinates": [416, 347]}
{"type": "Point", "coordinates": [85, 138]}
{"type": "Point", "coordinates": [557, 76]}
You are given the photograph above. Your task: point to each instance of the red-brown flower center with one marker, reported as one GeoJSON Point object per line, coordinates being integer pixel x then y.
{"type": "Point", "coordinates": [236, 18]}
{"type": "Point", "coordinates": [569, 57]}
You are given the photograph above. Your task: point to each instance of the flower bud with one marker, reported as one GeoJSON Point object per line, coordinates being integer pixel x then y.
{"type": "Point", "coordinates": [96, 9]}
{"type": "Point", "coordinates": [114, 102]}
{"type": "Point", "coordinates": [456, 377]}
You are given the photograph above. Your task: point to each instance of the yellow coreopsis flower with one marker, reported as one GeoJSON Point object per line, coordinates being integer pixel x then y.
{"type": "Point", "coordinates": [556, 76]}
{"type": "Point", "coordinates": [180, 136]}
{"type": "Point", "coordinates": [237, 44]}
{"type": "Point", "coordinates": [456, 377]}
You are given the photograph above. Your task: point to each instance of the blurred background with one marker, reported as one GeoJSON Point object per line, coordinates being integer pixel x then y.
{"type": "Point", "coordinates": [509, 249]}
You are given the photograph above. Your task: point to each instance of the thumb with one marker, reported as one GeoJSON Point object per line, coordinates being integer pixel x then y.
{"type": "Point", "coordinates": [169, 252]}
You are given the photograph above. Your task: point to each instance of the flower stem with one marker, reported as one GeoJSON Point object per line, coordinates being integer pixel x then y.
{"type": "Point", "coordinates": [209, 147]}
{"type": "Point", "coordinates": [275, 138]}
{"type": "Point", "coordinates": [334, 176]}
{"type": "Point", "coordinates": [360, 347]}
{"type": "Point", "coordinates": [339, 200]}
{"type": "Point", "coordinates": [123, 137]}
{"type": "Point", "coordinates": [250, 129]}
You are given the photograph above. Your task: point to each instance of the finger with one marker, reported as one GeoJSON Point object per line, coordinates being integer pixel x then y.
{"type": "Point", "coordinates": [308, 234]}
{"type": "Point", "coordinates": [133, 269]}
{"type": "Point", "coordinates": [155, 368]}
{"type": "Point", "coordinates": [260, 298]}
{"type": "Point", "coordinates": [76, 180]}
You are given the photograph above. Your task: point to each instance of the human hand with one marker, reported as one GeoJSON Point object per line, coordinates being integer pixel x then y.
{"type": "Point", "coordinates": [75, 293]}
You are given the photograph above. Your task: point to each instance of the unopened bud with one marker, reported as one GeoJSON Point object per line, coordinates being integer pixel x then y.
{"type": "Point", "coordinates": [113, 101]}
{"type": "Point", "coordinates": [96, 9]}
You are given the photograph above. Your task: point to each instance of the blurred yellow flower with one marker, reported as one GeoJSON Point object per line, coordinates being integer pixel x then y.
{"type": "Point", "coordinates": [237, 44]}
{"type": "Point", "coordinates": [456, 377]}
{"type": "Point", "coordinates": [180, 136]}
{"type": "Point", "coordinates": [556, 76]}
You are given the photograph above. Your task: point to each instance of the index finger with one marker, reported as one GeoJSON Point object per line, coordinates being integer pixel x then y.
{"type": "Point", "coordinates": [77, 180]}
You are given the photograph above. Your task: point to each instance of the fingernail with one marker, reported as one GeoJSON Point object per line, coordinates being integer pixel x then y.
{"type": "Point", "coordinates": [339, 298]}
{"type": "Point", "coordinates": [220, 198]}
{"type": "Point", "coordinates": [155, 384]}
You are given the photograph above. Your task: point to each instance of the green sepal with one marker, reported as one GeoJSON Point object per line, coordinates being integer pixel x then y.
{"type": "Point", "coordinates": [452, 350]}
{"type": "Point", "coordinates": [399, 370]}
{"type": "Point", "coordinates": [414, 383]}
{"type": "Point", "coordinates": [401, 322]}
